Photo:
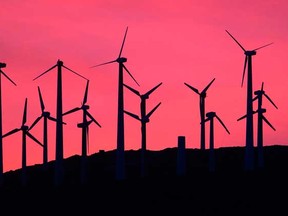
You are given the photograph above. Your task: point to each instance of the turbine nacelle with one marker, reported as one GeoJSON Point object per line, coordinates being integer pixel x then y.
{"type": "Point", "coordinates": [250, 53]}
{"type": "Point", "coordinates": [24, 128]}
{"type": "Point", "coordinates": [262, 110]}
{"type": "Point", "coordinates": [2, 65]}
{"type": "Point", "coordinates": [203, 94]}
{"type": "Point", "coordinates": [210, 114]}
{"type": "Point", "coordinates": [80, 125]}
{"type": "Point", "coordinates": [46, 114]}
{"type": "Point", "coordinates": [84, 124]}
{"type": "Point", "coordinates": [259, 92]}
{"type": "Point", "coordinates": [85, 107]}
{"type": "Point", "coordinates": [121, 60]}
{"type": "Point", "coordinates": [59, 63]}
{"type": "Point", "coordinates": [144, 96]}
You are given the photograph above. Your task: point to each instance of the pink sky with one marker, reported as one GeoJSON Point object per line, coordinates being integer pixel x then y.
{"type": "Point", "coordinates": [168, 41]}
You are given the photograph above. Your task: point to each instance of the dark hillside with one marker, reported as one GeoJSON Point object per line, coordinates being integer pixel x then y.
{"type": "Point", "coordinates": [228, 191]}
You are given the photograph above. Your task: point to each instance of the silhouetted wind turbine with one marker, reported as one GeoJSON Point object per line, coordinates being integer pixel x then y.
{"type": "Point", "coordinates": [259, 97]}
{"type": "Point", "coordinates": [120, 159]}
{"type": "Point", "coordinates": [249, 155]}
{"type": "Point", "coordinates": [144, 119]}
{"type": "Point", "coordinates": [24, 128]}
{"type": "Point", "coordinates": [59, 123]}
{"type": "Point", "coordinates": [85, 132]}
{"type": "Point", "coordinates": [210, 117]}
{"type": "Point", "coordinates": [202, 95]}
{"type": "Point", "coordinates": [2, 65]}
{"type": "Point", "coordinates": [45, 115]}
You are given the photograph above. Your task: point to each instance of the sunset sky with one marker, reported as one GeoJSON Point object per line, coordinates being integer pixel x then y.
{"type": "Point", "coordinates": [167, 41]}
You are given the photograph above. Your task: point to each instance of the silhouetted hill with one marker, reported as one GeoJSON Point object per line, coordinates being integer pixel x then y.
{"type": "Point", "coordinates": [228, 191]}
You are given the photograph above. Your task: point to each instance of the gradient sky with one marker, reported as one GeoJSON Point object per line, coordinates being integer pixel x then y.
{"type": "Point", "coordinates": [167, 41]}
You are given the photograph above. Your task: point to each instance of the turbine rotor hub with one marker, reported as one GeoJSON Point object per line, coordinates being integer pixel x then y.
{"type": "Point", "coordinates": [210, 114]}
{"type": "Point", "coordinates": [24, 127]}
{"type": "Point", "coordinates": [2, 65]}
{"type": "Point", "coordinates": [250, 53]}
{"type": "Point", "coordinates": [60, 63]}
{"type": "Point", "coordinates": [46, 114]}
{"type": "Point", "coordinates": [121, 60]}
{"type": "Point", "coordinates": [85, 107]}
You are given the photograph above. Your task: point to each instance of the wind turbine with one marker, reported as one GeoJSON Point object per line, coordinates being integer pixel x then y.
{"type": "Point", "coordinates": [25, 132]}
{"type": "Point", "coordinates": [84, 125]}
{"type": "Point", "coordinates": [59, 123]}
{"type": "Point", "coordinates": [259, 97]}
{"type": "Point", "coordinates": [46, 116]}
{"type": "Point", "coordinates": [249, 155]}
{"type": "Point", "coordinates": [120, 159]}
{"type": "Point", "coordinates": [2, 65]}
{"type": "Point", "coordinates": [210, 117]}
{"type": "Point", "coordinates": [202, 96]}
{"type": "Point", "coordinates": [144, 119]}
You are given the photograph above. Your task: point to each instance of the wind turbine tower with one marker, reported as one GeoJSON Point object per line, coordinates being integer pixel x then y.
{"type": "Point", "coordinates": [25, 132]}
{"type": "Point", "coordinates": [202, 96]}
{"type": "Point", "coordinates": [46, 116]}
{"type": "Point", "coordinates": [260, 110]}
{"type": "Point", "coordinates": [210, 117]}
{"type": "Point", "coordinates": [59, 124]}
{"type": "Point", "coordinates": [2, 65]}
{"type": "Point", "coordinates": [84, 125]}
{"type": "Point", "coordinates": [249, 152]}
{"type": "Point", "coordinates": [144, 119]}
{"type": "Point", "coordinates": [120, 151]}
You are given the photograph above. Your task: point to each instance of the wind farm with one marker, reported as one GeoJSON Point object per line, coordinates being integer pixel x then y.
{"type": "Point", "coordinates": [139, 168]}
{"type": "Point", "coordinates": [249, 158]}
{"type": "Point", "coordinates": [194, 43]}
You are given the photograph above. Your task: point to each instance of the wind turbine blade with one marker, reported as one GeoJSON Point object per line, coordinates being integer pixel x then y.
{"type": "Point", "coordinates": [75, 72]}
{"type": "Point", "coordinates": [71, 111]}
{"type": "Point", "coordinates": [255, 98]}
{"type": "Point", "coordinates": [192, 88]}
{"type": "Point", "coordinates": [132, 90]}
{"type": "Point", "coordinates": [262, 46]}
{"type": "Point", "coordinates": [262, 86]}
{"type": "Point", "coordinates": [205, 89]}
{"type": "Point", "coordinates": [33, 138]}
{"type": "Point", "coordinates": [41, 100]}
{"type": "Point", "coordinates": [236, 41]}
{"type": "Point", "coordinates": [263, 117]}
{"type": "Point", "coordinates": [92, 118]}
{"type": "Point", "coordinates": [35, 122]}
{"type": "Point", "coordinates": [207, 119]}
{"type": "Point", "coordinates": [25, 113]}
{"type": "Point", "coordinates": [130, 74]}
{"type": "Point", "coordinates": [123, 42]}
{"type": "Point", "coordinates": [45, 72]}
{"type": "Point", "coordinates": [152, 111]}
{"type": "Point", "coordinates": [241, 117]}
{"type": "Point", "coordinates": [222, 124]}
{"type": "Point", "coordinates": [153, 89]}
{"type": "Point", "coordinates": [132, 115]}
{"type": "Point", "coordinates": [244, 70]}
{"type": "Point", "coordinates": [7, 77]}
{"type": "Point", "coordinates": [52, 119]}
{"type": "Point", "coordinates": [86, 93]}
{"type": "Point", "coordinates": [11, 132]}
{"type": "Point", "coordinates": [104, 63]}
{"type": "Point", "coordinates": [270, 100]}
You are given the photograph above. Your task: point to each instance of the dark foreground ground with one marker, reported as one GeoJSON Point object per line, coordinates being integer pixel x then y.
{"type": "Point", "coordinates": [228, 191]}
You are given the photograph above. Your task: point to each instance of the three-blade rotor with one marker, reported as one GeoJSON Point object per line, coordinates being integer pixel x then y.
{"type": "Point", "coordinates": [120, 59]}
